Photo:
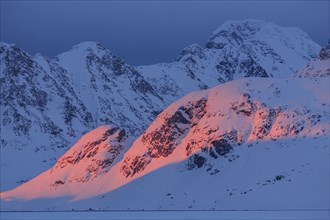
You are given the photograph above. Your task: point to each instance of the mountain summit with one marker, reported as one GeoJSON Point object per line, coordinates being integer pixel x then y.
{"type": "Point", "coordinates": [236, 49]}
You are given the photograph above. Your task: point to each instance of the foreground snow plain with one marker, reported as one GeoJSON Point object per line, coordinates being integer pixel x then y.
{"type": "Point", "coordinates": [302, 215]}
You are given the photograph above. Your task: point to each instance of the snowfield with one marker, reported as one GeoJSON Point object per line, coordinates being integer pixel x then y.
{"type": "Point", "coordinates": [302, 215]}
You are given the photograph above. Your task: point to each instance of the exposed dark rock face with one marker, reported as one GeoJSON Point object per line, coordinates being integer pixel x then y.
{"type": "Point", "coordinates": [325, 52]}
{"type": "Point", "coordinates": [191, 51]}
{"type": "Point", "coordinates": [41, 95]}
{"type": "Point", "coordinates": [218, 145]}
{"type": "Point", "coordinates": [252, 69]}
{"type": "Point", "coordinates": [133, 165]}
{"type": "Point", "coordinates": [26, 86]}
{"type": "Point", "coordinates": [319, 67]}
{"type": "Point", "coordinates": [227, 67]}
{"type": "Point", "coordinates": [299, 120]}
{"type": "Point", "coordinates": [264, 120]}
{"type": "Point", "coordinates": [27, 92]}
{"type": "Point", "coordinates": [199, 160]}
{"type": "Point", "coordinates": [236, 50]}
{"type": "Point", "coordinates": [221, 147]}
{"type": "Point", "coordinates": [233, 62]}
{"type": "Point", "coordinates": [162, 141]}
{"type": "Point", "coordinates": [141, 85]}
{"type": "Point", "coordinates": [245, 106]}
{"type": "Point", "coordinates": [98, 154]}
{"type": "Point", "coordinates": [211, 44]}
{"type": "Point", "coordinates": [117, 64]}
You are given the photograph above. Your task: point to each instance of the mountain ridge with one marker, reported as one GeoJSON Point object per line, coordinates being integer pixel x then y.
{"type": "Point", "coordinates": [198, 138]}
{"type": "Point", "coordinates": [47, 108]}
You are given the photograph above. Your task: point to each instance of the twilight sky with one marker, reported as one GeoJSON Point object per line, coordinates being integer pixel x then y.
{"type": "Point", "coordinates": [145, 32]}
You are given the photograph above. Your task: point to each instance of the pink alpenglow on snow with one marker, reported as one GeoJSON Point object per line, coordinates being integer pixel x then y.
{"type": "Point", "coordinates": [241, 123]}
{"type": "Point", "coordinates": [212, 135]}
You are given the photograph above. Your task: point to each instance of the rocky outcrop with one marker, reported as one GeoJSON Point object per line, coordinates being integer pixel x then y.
{"type": "Point", "coordinates": [92, 156]}
{"type": "Point", "coordinates": [319, 67]}
{"type": "Point", "coordinates": [244, 106]}
{"type": "Point", "coordinates": [325, 52]}
{"type": "Point", "coordinates": [204, 130]}
{"type": "Point", "coordinates": [162, 141]}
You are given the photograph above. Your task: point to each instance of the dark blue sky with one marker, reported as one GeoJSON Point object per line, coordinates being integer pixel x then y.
{"type": "Point", "coordinates": [145, 32]}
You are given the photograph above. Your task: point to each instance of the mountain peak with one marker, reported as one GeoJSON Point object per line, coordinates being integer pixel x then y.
{"type": "Point", "coordinates": [11, 47]}
{"type": "Point", "coordinates": [248, 23]}
{"type": "Point", "coordinates": [6, 45]}
{"type": "Point", "coordinates": [85, 48]}
{"type": "Point", "coordinates": [237, 32]}
{"type": "Point", "coordinates": [233, 28]}
{"type": "Point", "coordinates": [193, 49]}
{"type": "Point", "coordinates": [88, 44]}
{"type": "Point", "coordinates": [249, 27]}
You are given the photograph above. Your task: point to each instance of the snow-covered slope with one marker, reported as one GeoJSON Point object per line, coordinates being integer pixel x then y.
{"type": "Point", "coordinates": [319, 67]}
{"type": "Point", "coordinates": [237, 49]}
{"type": "Point", "coordinates": [254, 143]}
{"type": "Point", "coordinates": [93, 155]}
{"type": "Point", "coordinates": [36, 116]}
{"type": "Point", "coordinates": [113, 91]}
{"type": "Point", "coordinates": [48, 104]}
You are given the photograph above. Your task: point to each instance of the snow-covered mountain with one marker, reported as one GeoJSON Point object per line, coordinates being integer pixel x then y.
{"type": "Point", "coordinates": [48, 104]}
{"type": "Point", "coordinates": [236, 49]}
{"type": "Point", "coordinates": [230, 147]}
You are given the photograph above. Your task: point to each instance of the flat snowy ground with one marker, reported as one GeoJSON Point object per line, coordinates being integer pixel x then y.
{"type": "Point", "coordinates": [315, 215]}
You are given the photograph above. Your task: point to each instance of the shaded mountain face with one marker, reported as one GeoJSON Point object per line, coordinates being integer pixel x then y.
{"type": "Point", "coordinates": [236, 49]}
{"type": "Point", "coordinates": [114, 92]}
{"type": "Point", "coordinates": [319, 67]}
{"type": "Point", "coordinates": [47, 104]}
{"type": "Point", "coordinates": [217, 148]}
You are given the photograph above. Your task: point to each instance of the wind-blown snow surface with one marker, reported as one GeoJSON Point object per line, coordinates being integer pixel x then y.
{"type": "Point", "coordinates": [48, 104]}
{"type": "Point", "coordinates": [254, 143]}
